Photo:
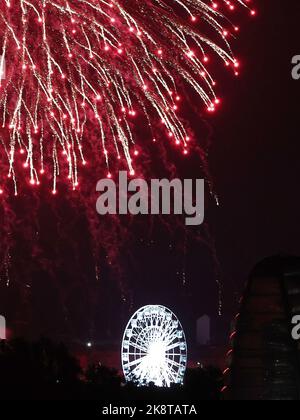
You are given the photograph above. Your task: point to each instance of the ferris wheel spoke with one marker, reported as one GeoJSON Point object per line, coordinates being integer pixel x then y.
{"type": "Point", "coordinates": [165, 326]}
{"type": "Point", "coordinates": [134, 362]}
{"type": "Point", "coordinates": [140, 371]}
{"type": "Point", "coordinates": [171, 373]}
{"type": "Point", "coordinates": [171, 336]}
{"type": "Point", "coordinates": [173, 354]}
{"type": "Point", "coordinates": [168, 337]}
{"type": "Point", "coordinates": [137, 346]}
{"type": "Point", "coordinates": [174, 375]}
{"type": "Point", "coordinates": [167, 379]}
{"type": "Point", "coordinates": [173, 346]}
{"type": "Point", "coordinates": [173, 363]}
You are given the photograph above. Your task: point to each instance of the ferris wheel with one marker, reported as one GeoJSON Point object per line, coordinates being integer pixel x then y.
{"type": "Point", "coordinates": [154, 348]}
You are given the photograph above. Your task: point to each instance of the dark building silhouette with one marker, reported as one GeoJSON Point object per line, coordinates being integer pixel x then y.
{"type": "Point", "coordinates": [264, 360]}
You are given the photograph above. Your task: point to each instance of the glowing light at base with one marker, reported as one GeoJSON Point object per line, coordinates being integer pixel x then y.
{"type": "Point", "coordinates": [79, 73]}
{"type": "Point", "coordinates": [154, 348]}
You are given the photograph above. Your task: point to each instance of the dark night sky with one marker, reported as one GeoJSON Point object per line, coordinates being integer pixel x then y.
{"type": "Point", "coordinates": [254, 161]}
{"type": "Point", "coordinates": [255, 153]}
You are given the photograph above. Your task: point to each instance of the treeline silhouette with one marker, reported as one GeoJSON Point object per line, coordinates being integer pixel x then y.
{"type": "Point", "coordinates": [44, 370]}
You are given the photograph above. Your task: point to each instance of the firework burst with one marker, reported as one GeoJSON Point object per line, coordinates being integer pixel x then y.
{"type": "Point", "coordinates": [75, 76]}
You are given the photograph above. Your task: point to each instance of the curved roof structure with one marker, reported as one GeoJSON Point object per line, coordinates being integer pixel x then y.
{"type": "Point", "coordinates": [264, 360]}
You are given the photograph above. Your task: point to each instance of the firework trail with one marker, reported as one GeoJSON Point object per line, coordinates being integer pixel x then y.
{"type": "Point", "coordinates": [76, 76]}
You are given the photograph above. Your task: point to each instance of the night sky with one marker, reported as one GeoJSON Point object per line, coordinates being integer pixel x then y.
{"type": "Point", "coordinates": [255, 153]}
{"type": "Point", "coordinates": [254, 165]}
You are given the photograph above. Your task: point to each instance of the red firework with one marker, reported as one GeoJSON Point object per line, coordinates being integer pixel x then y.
{"type": "Point", "coordinates": [75, 74]}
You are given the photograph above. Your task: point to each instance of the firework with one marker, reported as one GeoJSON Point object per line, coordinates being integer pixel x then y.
{"type": "Point", "coordinates": [76, 76]}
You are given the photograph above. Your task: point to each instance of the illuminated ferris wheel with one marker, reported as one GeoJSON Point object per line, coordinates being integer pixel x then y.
{"type": "Point", "coordinates": [154, 348]}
